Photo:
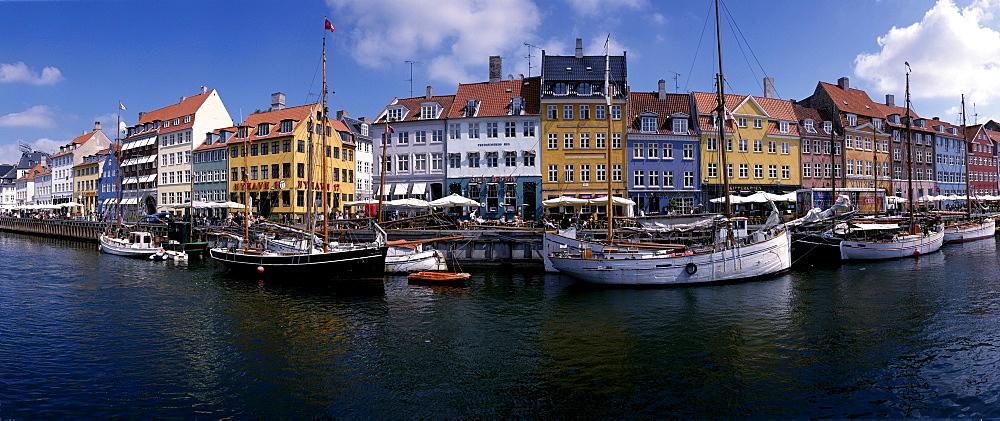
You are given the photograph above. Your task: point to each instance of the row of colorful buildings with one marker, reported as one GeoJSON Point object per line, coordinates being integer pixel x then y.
{"type": "Point", "coordinates": [512, 143]}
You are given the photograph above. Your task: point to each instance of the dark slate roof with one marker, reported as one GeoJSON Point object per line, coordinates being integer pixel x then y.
{"type": "Point", "coordinates": [554, 68]}
{"type": "Point", "coordinates": [8, 171]}
{"type": "Point", "coordinates": [30, 159]}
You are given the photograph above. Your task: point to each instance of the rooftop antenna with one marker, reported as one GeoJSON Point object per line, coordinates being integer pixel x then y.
{"type": "Point", "coordinates": [411, 63]}
{"type": "Point", "coordinates": [530, 46]}
{"type": "Point", "coordinates": [677, 87]}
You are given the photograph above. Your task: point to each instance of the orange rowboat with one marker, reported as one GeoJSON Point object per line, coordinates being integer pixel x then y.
{"type": "Point", "coordinates": [438, 278]}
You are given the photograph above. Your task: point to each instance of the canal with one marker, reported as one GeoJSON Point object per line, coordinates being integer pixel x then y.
{"type": "Point", "coordinates": [85, 334]}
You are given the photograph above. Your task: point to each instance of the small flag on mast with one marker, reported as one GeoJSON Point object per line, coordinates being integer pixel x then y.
{"type": "Point", "coordinates": [390, 129]}
{"type": "Point", "coordinates": [328, 25]}
{"type": "Point", "coordinates": [121, 106]}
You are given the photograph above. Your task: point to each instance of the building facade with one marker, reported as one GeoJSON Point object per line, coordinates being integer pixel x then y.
{"type": "Point", "coordinates": [69, 156]}
{"type": "Point", "coordinates": [361, 130]}
{"type": "Point", "coordinates": [982, 160]}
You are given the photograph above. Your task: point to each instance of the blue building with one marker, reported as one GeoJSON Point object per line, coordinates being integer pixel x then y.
{"type": "Point", "coordinates": [107, 185]}
{"type": "Point", "coordinates": [663, 153]}
{"type": "Point", "coordinates": [949, 162]}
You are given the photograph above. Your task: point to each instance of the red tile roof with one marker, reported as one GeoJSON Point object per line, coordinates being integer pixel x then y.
{"type": "Point", "coordinates": [640, 102]}
{"type": "Point", "coordinates": [188, 106]}
{"type": "Point", "coordinates": [413, 105]}
{"type": "Point", "coordinates": [494, 98]}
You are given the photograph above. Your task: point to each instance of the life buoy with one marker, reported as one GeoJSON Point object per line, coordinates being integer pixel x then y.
{"type": "Point", "coordinates": [691, 268]}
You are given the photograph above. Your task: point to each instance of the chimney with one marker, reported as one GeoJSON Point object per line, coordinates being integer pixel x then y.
{"type": "Point", "coordinates": [277, 101]}
{"type": "Point", "coordinates": [579, 48]}
{"type": "Point", "coordinates": [769, 87]}
{"type": "Point", "coordinates": [430, 92]}
{"type": "Point", "coordinates": [495, 69]}
{"type": "Point", "coordinates": [844, 83]}
{"type": "Point", "coordinates": [140, 116]}
{"type": "Point", "coordinates": [204, 89]}
{"type": "Point", "coordinates": [661, 89]}
{"type": "Point", "coordinates": [97, 126]}
{"type": "Point", "coordinates": [341, 114]}
{"type": "Point", "coordinates": [890, 100]}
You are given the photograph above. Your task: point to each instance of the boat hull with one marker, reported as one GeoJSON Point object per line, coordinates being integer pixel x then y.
{"type": "Point", "coordinates": [438, 278]}
{"type": "Point", "coordinates": [760, 259]}
{"type": "Point", "coordinates": [421, 261]}
{"type": "Point", "coordinates": [970, 231]}
{"type": "Point", "coordinates": [904, 246]}
{"type": "Point", "coordinates": [110, 246]}
{"type": "Point", "coordinates": [361, 262]}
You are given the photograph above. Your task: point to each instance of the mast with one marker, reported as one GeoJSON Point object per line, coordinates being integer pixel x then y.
{"type": "Point", "coordinates": [310, 199]}
{"type": "Point", "coordinates": [324, 151]}
{"type": "Point", "coordinates": [720, 81]}
{"type": "Point", "coordinates": [909, 152]}
{"type": "Point", "coordinates": [607, 143]}
{"type": "Point", "coordinates": [246, 190]}
{"type": "Point", "coordinates": [965, 149]}
{"type": "Point", "coordinates": [381, 177]}
{"type": "Point", "coordinates": [833, 165]}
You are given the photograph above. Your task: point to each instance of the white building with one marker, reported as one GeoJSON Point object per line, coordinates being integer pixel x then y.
{"type": "Point", "coordinates": [364, 155]}
{"type": "Point", "coordinates": [71, 155]}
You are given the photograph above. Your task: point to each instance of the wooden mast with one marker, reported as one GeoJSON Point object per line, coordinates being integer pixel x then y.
{"type": "Point", "coordinates": [608, 92]}
{"type": "Point", "coordinates": [721, 110]}
{"type": "Point", "coordinates": [965, 149]}
{"type": "Point", "coordinates": [325, 152]}
{"type": "Point", "coordinates": [909, 152]}
{"type": "Point", "coordinates": [381, 177]}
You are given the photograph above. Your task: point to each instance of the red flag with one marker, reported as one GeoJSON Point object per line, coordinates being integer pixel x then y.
{"type": "Point", "coordinates": [121, 106]}
{"type": "Point", "coordinates": [328, 25]}
{"type": "Point", "coordinates": [390, 129]}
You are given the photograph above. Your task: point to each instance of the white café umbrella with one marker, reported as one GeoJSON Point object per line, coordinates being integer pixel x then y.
{"type": "Point", "coordinates": [616, 200]}
{"type": "Point", "coordinates": [408, 203]}
{"type": "Point", "coordinates": [70, 204]}
{"type": "Point", "coordinates": [564, 201]}
{"type": "Point", "coordinates": [454, 200]}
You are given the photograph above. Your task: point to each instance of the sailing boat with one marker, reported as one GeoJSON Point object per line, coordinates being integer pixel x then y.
{"type": "Point", "coordinates": [880, 241]}
{"type": "Point", "coordinates": [733, 252]}
{"type": "Point", "coordinates": [118, 239]}
{"type": "Point", "coordinates": [320, 256]}
{"type": "Point", "coordinates": [968, 228]}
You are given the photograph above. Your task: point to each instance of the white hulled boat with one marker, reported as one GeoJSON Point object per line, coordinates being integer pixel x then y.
{"type": "Point", "coordinates": [872, 241]}
{"type": "Point", "coordinates": [969, 230]}
{"type": "Point", "coordinates": [135, 244]}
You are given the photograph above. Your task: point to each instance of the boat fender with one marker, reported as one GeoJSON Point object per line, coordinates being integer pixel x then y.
{"type": "Point", "coordinates": [691, 268]}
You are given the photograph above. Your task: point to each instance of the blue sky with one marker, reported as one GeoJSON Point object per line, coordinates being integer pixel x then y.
{"type": "Point", "coordinates": [66, 64]}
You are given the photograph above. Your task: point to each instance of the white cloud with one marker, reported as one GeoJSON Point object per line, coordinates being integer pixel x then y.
{"type": "Point", "coordinates": [39, 116]}
{"type": "Point", "coordinates": [951, 51]}
{"type": "Point", "coordinates": [10, 153]}
{"type": "Point", "coordinates": [449, 38]}
{"type": "Point", "coordinates": [19, 72]}
{"type": "Point", "coordinates": [596, 8]}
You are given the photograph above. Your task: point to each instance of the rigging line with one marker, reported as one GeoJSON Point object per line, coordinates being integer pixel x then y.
{"type": "Point", "coordinates": [732, 23]}
{"type": "Point", "coordinates": [698, 48]}
{"type": "Point", "coordinates": [740, 32]}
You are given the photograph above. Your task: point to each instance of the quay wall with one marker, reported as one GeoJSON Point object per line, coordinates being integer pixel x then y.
{"type": "Point", "coordinates": [66, 228]}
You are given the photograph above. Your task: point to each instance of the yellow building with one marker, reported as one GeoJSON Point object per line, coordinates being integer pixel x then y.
{"type": "Point", "coordinates": [866, 154]}
{"type": "Point", "coordinates": [279, 156]}
{"type": "Point", "coordinates": [86, 176]}
{"type": "Point", "coordinates": [761, 141]}
{"type": "Point", "coordinates": [574, 126]}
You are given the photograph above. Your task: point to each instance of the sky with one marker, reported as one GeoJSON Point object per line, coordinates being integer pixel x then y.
{"type": "Point", "coordinates": [66, 64]}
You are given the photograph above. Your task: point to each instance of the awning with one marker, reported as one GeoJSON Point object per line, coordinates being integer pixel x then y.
{"type": "Point", "coordinates": [401, 189]}
{"type": "Point", "coordinates": [145, 159]}
{"type": "Point", "coordinates": [111, 201]}
{"type": "Point", "coordinates": [151, 140]}
{"type": "Point", "coordinates": [388, 190]}
{"type": "Point", "coordinates": [130, 201]}
{"type": "Point", "coordinates": [419, 189]}
{"type": "Point", "coordinates": [148, 178]}
{"type": "Point", "coordinates": [130, 180]}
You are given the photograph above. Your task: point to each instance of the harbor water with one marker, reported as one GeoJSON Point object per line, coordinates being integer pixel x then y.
{"type": "Point", "coordinates": [85, 334]}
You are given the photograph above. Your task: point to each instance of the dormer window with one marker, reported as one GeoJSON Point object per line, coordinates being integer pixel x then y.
{"type": "Point", "coordinates": [894, 118]}
{"type": "Point", "coordinates": [828, 126]}
{"type": "Point", "coordinates": [428, 111]}
{"type": "Point", "coordinates": [808, 124]}
{"type": "Point", "coordinates": [852, 120]}
{"type": "Point", "coordinates": [919, 122]}
{"type": "Point", "coordinates": [285, 126]}
{"type": "Point", "coordinates": [877, 122]}
{"type": "Point", "coordinates": [471, 106]}
{"type": "Point", "coordinates": [648, 122]}
{"type": "Point", "coordinates": [177, 121]}
{"type": "Point", "coordinates": [584, 89]}
{"type": "Point", "coordinates": [516, 105]}
{"type": "Point", "coordinates": [166, 124]}
{"type": "Point", "coordinates": [263, 129]}
{"type": "Point", "coordinates": [394, 114]}
{"type": "Point", "coordinates": [783, 127]}
{"type": "Point", "coordinates": [187, 119]}
{"type": "Point", "coordinates": [560, 89]}
{"type": "Point", "coordinates": [364, 129]}
{"type": "Point", "coordinates": [241, 132]}
{"type": "Point", "coordinates": [679, 124]}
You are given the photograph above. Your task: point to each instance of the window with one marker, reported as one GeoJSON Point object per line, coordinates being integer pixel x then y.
{"type": "Point", "coordinates": [553, 173]}
{"type": "Point", "coordinates": [668, 179]}
{"type": "Point", "coordinates": [826, 147]}
{"type": "Point", "coordinates": [637, 150]}
{"type": "Point", "coordinates": [428, 111]}
{"type": "Point", "coordinates": [648, 124]}
{"type": "Point", "coordinates": [653, 151]}
{"type": "Point", "coordinates": [742, 121]}
{"type": "Point", "coordinates": [783, 127]}
{"type": "Point", "coordinates": [301, 170]}
{"type": "Point", "coordinates": [403, 163]}
{"type": "Point", "coordinates": [654, 178]}
{"type": "Point", "coordinates": [420, 136]}
{"type": "Point", "coordinates": [553, 141]}
{"type": "Point", "coordinates": [568, 141]}
{"type": "Point", "coordinates": [253, 149]}
{"type": "Point", "coordinates": [712, 144]}
{"type": "Point", "coordinates": [852, 120]}
{"type": "Point", "coordinates": [680, 125]}
{"type": "Point", "coordinates": [599, 112]}
{"type": "Point", "coordinates": [601, 142]}
{"type": "Point", "coordinates": [584, 112]}
{"type": "Point", "coordinates": [394, 114]}
{"type": "Point", "coordinates": [285, 126]}
{"type": "Point", "coordinates": [839, 172]}
{"type": "Point", "coordinates": [688, 152]}
{"type": "Point", "coordinates": [807, 169]}
{"type": "Point", "coordinates": [688, 179]}
{"type": "Point", "coordinates": [713, 169]}
{"type": "Point", "coordinates": [301, 148]}
{"type": "Point", "coordinates": [584, 140]}
{"type": "Point", "coordinates": [758, 170]}
{"type": "Point", "coordinates": [454, 160]}
{"type": "Point", "coordinates": [454, 131]}
{"type": "Point", "coordinates": [529, 158]}
{"type": "Point", "coordinates": [528, 129]}
{"type": "Point", "coordinates": [403, 138]}
{"type": "Point", "coordinates": [553, 112]}
{"type": "Point", "coordinates": [568, 172]}
{"type": "Point", "coordinates": [286, 170]}
{"type": "Point", "coordinates": [784, 148]}
{"type": "Point", "coordinates": [616, 172]}
{"type": "Point", "coordinates": [420, 162]}
{"type": "Point", "coordinates": [492, 129]}
{"type": "Point", "coordinates": [560, 89]}
{"type": "Point", "coordinates": [743, 145]}
{"type": "Point", "coordinates": [786, 172]}
{"type": "Point", "coordinates": [510, 129]}
{"type": "Point", "coordinates": [850, 167]}
{"type": "Point", "coordinates": [744, 170]}
{"type": "Point", "coordinates": [772, 146]}
{"type": "Point", "coordinates": [436, 161]}
{"type": "Point", "coordinates": [602, 173]}
{"type": "Point", "coordinates": [836, 148]}
{"type": "Point", "coordinates": [473, 130]}
{"type": "Point", "coordinates": [616, 141]}
{"type": "Point", "coordinates": [584, 89]}
{"type": "Point", "coordinates": [772, 171]}
{"type": "Point", "coordinates": [286, 145]}
{"type": "Point", "coordinates": [757, 123]}
{"type": "Point", "coordinates": [567, 112]}
{"type": "Point", "coordinates": [639, 178]}
{"type": "Point", "coordinates": [510, 158]}
{"type": "Point", "coordinates": [758, 146]}
{"type": "Point", "coordinates": [274, 171]}
{"type": "Point", "coordinates": [437, 135]}
{"type": "Point", "coordinates": [473, 159]}
{"type": "Point", "coordinates": [616, 112]}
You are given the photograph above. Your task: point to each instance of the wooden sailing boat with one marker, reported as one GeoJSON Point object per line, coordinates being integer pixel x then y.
{"type": "Point", "coordinates": [318, 261]}
{"type": "Point", "coordinates": [734, 253]}
{"type": "Point", "coordinates": [880, 241]}
{"type": "Point", "coordinates": [968, 227]}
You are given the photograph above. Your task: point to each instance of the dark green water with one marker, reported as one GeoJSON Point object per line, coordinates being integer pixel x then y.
{"type": "Point", "coordinates": [85, 334]}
